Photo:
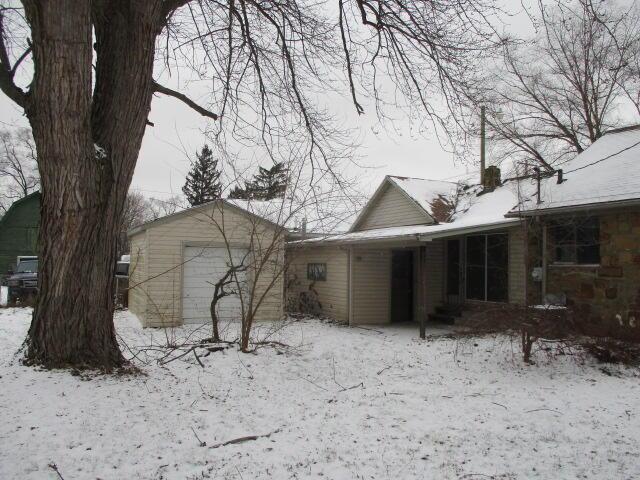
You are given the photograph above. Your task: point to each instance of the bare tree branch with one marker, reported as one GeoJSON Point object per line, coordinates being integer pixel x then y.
{"type": "Point", "coordinates": [184, 99]}
{"type": "Point", "coordinates": [7, 85]}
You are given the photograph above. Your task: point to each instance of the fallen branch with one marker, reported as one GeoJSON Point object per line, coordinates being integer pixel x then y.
{"type": "Point", "coordinates": [195, 354]}
{"type": "Point", "coordinates": [543, 410]}
{"type": "Point", "coordinates": [202, 444]}
{"type": "Point", "coordinates": [248, 438]}
{"type": "Point", "coordinates": [344, 389]}
{"type": "Point", "coordinates": [54, 467]}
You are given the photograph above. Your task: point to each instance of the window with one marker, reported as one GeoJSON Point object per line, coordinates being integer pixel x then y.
{"type": "Point", "coordinates": [576, 241]}
{"type": "Point", "coordinates": [488, 267]}
{"type": "Point", "coordinates": [317, 272]}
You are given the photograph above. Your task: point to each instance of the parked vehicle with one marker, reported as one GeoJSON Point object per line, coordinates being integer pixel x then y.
{"type": "Point", "coordinates": [23, 280]}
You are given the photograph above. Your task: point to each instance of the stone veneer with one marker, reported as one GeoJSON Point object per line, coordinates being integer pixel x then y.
{"type": "Point", "coordinates": [606, 296]}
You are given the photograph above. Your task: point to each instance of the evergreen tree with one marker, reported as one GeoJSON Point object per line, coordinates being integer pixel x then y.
{"type": "Point", "coordinates": [239, 192]}
{"type": "Point", "coordinates": [203, 180]}
{"type": "Point", "coordinates": [270, 183]}
{"type": "Point", "coordinates": [267, 184]}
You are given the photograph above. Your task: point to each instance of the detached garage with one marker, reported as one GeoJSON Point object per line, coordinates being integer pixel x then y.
{"type": "Point", "coordinates": [176, 261]}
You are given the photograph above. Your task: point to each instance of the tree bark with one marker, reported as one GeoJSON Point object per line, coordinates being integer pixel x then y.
{"type": "Point", "coordinates": [88, 143]}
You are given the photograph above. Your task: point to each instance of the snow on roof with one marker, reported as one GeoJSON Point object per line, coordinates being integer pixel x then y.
{"type": "Point", "coordinates": [473, 211]}
{"type": "Point", "coordinates": [607, 171]}
{"type": "Point", "coordinates": [424, 191]}
{"type": "Point", "coordinates": [321, 216]}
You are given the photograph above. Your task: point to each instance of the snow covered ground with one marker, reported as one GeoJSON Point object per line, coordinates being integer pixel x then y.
{"type": "Point", "coordinates": [437, 409]}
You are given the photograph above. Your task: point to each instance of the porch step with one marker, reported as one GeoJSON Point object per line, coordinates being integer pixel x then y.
{"type": "Point", "coordinates": [451, 310]}
{"type": "Point", "coordinates": [442, 318]}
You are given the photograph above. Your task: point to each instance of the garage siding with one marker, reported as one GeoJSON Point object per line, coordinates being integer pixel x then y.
{"type": "Point", "coordinates": [137, 273]}
{"type": "Point", "coordinates": [371, 277]}
{"type": "Point", "coordinates": [332, 293]}
{"type": "Point", "coordinates": [392, 209]}
{"type": "Point", "coordinates": [164, 256]}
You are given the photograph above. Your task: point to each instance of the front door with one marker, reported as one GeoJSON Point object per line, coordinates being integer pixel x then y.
{"type": "Point", "coordinates": [488, 267]}
{"type": "Point", "coordinates": [401, 285]}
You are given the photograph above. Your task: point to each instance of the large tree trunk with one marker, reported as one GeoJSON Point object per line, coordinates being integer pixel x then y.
{"type": "Point", "coordinates": [87, 145]}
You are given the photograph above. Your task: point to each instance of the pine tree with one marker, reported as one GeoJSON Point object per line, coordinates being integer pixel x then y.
{"type": "Point", "coordinates": [239, 192]}
{"type": "Point", "coordinates": [271, 183]}
{"type": "Point", "coordinates": [267, 184]}
{"type": "Point", "coordinates": [203, 180]}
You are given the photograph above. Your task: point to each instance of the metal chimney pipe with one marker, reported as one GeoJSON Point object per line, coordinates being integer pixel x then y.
{"type": "Point", "coordinates": [537, 170]}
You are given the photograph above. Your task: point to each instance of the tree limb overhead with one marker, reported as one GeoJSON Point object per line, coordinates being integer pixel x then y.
{"type": "Point", "coordinates": [184, 99]}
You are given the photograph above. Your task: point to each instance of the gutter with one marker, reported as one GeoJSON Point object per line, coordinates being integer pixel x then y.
{"type": "Point", "coordinates": [426, 237]}
{"type": "Point", "coordinates": [575, 208]}
{"type": "Point", "coordinates": [410, 237]}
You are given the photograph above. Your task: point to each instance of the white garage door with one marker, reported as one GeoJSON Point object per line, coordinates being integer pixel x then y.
{"type": "Point", "coordinates": [203, 267]}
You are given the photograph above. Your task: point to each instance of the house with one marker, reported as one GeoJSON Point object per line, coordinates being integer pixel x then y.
{"type": "Point", "coordinates": [19, 230]}
{"type": "Point", "coordinates": [421, 247]}
{"type": "Point", "coordinates": [176, 260]}
{"type": "Point", "coordinates": [417, 245]}
{"type": "Point", "coordinates": [584, 233]}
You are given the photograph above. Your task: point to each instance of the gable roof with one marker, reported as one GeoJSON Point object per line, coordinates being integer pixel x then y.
{"type": "Point", "coordinates": [424, 191]}
{"type": "Point", "coordinates": [419, 192]}
{"type": "Point", "coordinates": [260, 212]}
{"type": "Point", "coordinates": [17, 203]}
{"type": "Point", "coordinates": [474, 211]}
{"type": "Point", "coordinates": [325, 214]}
{"type": "Point", "coordinates": [605, 174]}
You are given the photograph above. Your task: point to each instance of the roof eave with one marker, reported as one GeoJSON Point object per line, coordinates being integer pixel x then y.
{"type": "Point", "coordinates": [574, 208]}
{"type": "Point", "coordinates": [167, 218]}
{"type": "Point", "coordinates": [420, 237]}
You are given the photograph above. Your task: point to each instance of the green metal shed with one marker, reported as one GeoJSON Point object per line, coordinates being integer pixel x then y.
{"type": "Point", "coordinates": [19, 230]}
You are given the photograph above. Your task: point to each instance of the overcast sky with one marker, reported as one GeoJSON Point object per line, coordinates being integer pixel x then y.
{"type": "Point", "coordinates": [178, 133]}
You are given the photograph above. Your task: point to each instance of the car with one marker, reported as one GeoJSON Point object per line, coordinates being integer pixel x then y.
{"type": "Point", "coordinates": [23, 280]}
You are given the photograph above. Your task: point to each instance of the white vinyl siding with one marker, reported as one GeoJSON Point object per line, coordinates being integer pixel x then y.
{"type": "Point", "coordinates": [137, 273]}
{"type": "Point", "coordinates": [333, 293]}
{"type": "Point", "coordinates": [371, 294]}
{"type": "Point", "coordinates": [434, 277]}
{"type": "Point", "coordinates": [202, 227]}
{"type": "Point", "coordinates": [392, 209]}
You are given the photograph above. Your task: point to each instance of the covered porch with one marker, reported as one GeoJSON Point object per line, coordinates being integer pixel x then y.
{"type": "Point", "coordinates": [426, 274]}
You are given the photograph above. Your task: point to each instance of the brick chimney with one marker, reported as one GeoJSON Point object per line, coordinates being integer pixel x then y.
{"type": "Point", "coordinates": [491, 178]}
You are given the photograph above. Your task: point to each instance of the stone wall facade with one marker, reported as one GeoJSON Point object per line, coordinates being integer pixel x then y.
{"type": "Point", "coordinates": [605, 297]}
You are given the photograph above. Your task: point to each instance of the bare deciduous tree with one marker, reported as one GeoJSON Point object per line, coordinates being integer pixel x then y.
{"type": "Point", "coordinates": [90, 96]}
{"type": "Point", "coordinates": [18, 167]}
{"type": "Point", "coordinates": [222, 288]}
{"type": "Point", "coordinates": [557, 93]}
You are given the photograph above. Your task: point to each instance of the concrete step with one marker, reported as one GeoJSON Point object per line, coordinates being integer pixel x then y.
{"type": "Point", "coordinates": [442, 318]}
{"type": "Point", "coordinates": [452, 310]}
